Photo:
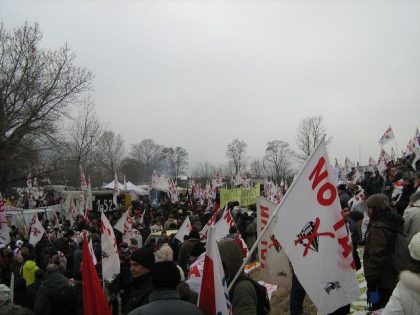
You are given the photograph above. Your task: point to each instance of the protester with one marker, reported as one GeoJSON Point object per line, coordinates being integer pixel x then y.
{"type": "Point", "coordinates": [165, 300]}
{"type": "Point", "coordinates": [380, 274]}
{"type": "Point", "coordinates": [53, 281]}
{"type": "Point", "coordinates": [243, 295]}
{"type": "Point", "coordinates": [405, 298]}
{"type": "Point", "coordinates": [184, 251]}
{"type": "Point", "coordinates": [165, 252]}
{"type": "Point", "coordinates": [6, 307]}
{"type": "Point", "coordinates": [29, 266]}
{"type": "Point", "coordinates": [141, 262]}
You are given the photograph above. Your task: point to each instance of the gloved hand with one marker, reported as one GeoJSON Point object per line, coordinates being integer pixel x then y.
{"type": "Point", "coordinates": [373, 298]}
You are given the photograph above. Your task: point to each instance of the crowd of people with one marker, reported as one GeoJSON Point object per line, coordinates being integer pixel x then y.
{"type": "Point", "coordinates": [48, 279]}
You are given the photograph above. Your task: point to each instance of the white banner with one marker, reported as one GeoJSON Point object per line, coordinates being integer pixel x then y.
{"type": "Point", "coordinates": [275, 265]}
{"type": "Point", "coordinates": [110, 258]}
{"type": "Point", "coordinates": [125, 226]}
{"type": "Point", "coordinates": [311, 230]}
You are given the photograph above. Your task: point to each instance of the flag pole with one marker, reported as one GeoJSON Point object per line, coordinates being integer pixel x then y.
{"type": "Point", "coordinates": [254, 247]}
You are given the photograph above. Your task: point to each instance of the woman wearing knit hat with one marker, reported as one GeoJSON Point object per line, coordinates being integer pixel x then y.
{"type": "Point", "coordinates": [406, 297]}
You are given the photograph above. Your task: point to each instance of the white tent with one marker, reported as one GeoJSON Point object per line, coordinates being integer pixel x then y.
{"type": "Point", "coordinates": [130, 187]}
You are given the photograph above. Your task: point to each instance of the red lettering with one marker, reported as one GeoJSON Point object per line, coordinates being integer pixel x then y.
{"type": "Point", "coordinates": [316, 172]}
{"type": "Point", "coordinates": [320, 195]}
{"type": "Point", "coordinates": [339, 224]}
{"type": "Point", "coordinates": [264, 216]}
{"type": "Point", "coordinates": [344, 243]}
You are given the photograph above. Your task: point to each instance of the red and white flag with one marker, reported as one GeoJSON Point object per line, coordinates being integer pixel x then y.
{"type": "Point", "coordinates": [214, 296]}
{"type": "Point", "coordinates": [110, 258]}
{"type": "Point", "coordinates": [410, 148]}
{"type": "Point", "coordinates": [37, 230]}
{"type": "Point", "coordinates": [4, 229]}
{"type": "Point", "coordinates": [125, 225]}
{"type": "Point", "coordinates": [348, 163]}
{"type": "Point", "coordinates": [173, 191]}
{"type": "Point", "coordinates": [387, 136]}
{"type": "Point", "coordinates": [83, 183]}
{"type": "Point", "coordinates": [383, 161]}
{"type": "Point", "coordinates": [92, 253]}
{"type": "Point", "coordinates": [94, 300]}
{"type": "Point", "coordinates": [185, 229]}
{"type": "Point", "coordinates": [217, 180]}
{"type": "Point", "coordinates": [275, 265]}
{"type": "Point", "coordinates": [313, 234]}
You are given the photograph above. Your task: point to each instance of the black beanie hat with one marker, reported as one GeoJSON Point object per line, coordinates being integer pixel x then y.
{"type": "Point", "coordinates": [197, 249]}
{"type": "Point", "coordinates": [165, 274]}
{"type": "Point", "coordinates": [144, 257]}
{"type": "Point", "coordinates": [194, 234]}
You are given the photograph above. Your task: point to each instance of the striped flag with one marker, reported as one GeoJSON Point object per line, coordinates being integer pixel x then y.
{"type": "Point", "coordinates": [214, 296]}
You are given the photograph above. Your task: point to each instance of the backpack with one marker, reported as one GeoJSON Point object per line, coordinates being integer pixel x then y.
{"type": "Point", "coordinates": [401, 257]}
{"type": "Point", "coordinates": [263, 303]}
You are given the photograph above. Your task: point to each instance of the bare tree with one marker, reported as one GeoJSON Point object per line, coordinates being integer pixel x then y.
{"type": "Point", "coordinates": [236, 154]}
{"type": "Point", "coordinates": [205, 171]}
{"type": "Point", "coordinates": [277, 159]}
{"type": "Point", "coordinates": [148, 154]}
{"type": "Point", "coordinates": [309, 132]}
{"type": "Point", "coordinates": [132, 169]}
{"type": "Point", "coordinates": [110, 152]}
{"type": "Point", "coordinates": [177, 159]}
{"type": "Point", "coordinates": [256, 168]}
{"type": "Point", "coordinates": [36, 88]}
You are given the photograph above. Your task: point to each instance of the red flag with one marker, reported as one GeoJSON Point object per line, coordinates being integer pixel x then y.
{"type": "Point", "coordinates": [94, 300]}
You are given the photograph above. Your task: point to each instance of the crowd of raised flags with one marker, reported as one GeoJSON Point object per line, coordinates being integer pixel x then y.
{"type": "Point", "coordinates": [307, 234]}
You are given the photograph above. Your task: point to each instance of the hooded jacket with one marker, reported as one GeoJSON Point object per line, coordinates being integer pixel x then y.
{"type": "Point", "coordinates": [412, 219]}
{"type": "Point", "coordinates": [28, 271]}
{"type": "Point", "coordinates": [379, 246]}
{"type": "Point", "coordinates": [53, 282]}
{"type": "Point", "coordinates": [405, 299]}
{"type": "Point", "coordinates": [245, 299]}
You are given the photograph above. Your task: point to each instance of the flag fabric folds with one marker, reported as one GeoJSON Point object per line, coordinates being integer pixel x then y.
{"type": "Point", "coordinates": [387, 136]}
{"type": "Point", "coordinates": [37, 230]}
{"type": "Point", "coordinates": [311, 230]}
{"type": "Point", "coordinates": [110, 258]}
{"type": "Point", "coordinates": [94, 300]}
{"type": "Point", "coordinates": [185, 229]}
{"type": "Point", "coordinates": [275, 265]}
{"type": "Point", "coordinates": [214, 297]}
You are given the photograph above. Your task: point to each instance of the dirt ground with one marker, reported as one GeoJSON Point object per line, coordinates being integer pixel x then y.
{"type": "Point", "coordinates": [280, 300]}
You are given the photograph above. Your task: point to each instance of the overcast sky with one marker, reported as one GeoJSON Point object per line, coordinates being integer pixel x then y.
{"type": "Point", "coordinates": [198, 74]}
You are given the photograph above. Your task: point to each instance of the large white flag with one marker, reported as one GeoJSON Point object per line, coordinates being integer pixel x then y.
{"type": "Point", "coordinates": [214, 296]}
{"type": "Point", "coordinates": [125, 225]}
{"type": "Point", "coordinates": [160, 182]}
{"type": "Point", "coordinates": [387, 136]}
{"type": "Point", "coordinates": [4, 229]}
{"type": "Point", "coordinates": [37, 230]}
{"type": "Point", "coordinates": [275, 265]}
{"type": "Point", "coordinates": [311, 230]}
{"type": "Point", "coordinates": [110, 258]}
{"type": "Point", "coordinates": [185, 229]}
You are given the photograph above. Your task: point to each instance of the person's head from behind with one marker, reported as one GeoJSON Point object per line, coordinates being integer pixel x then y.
{"type": "Point", "coordinates": [141, 261]}
{"type": "Point", "coordinates": [231, 257]}
{"type": "Point", "coordinates": [414, 248]}
{"type": "Point", "coordinates": [377, 203]}
{"type": "Point", "coordinates": [165, 275]}
{"type": "Point", "coordinates": [414, 198]}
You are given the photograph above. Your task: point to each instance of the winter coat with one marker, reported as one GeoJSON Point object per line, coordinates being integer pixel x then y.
{"type": "Point", "coordinates": [53, 281]}
{"type": "Point", "coordinates": [405, 299]}
{"type": "Point", "coordinates": [251, 234]}
{"type": "Point", "coordinates": [245, 299]}
{"type": "Point", "coordinates": [28, 271]}
{"type": "Point", "coordinates": [184, 252]}
{"type": "Point", "coordinates": [412, 219]}
{"type": "Point", "coordinates": [138, 293]}
{"type": "Point", "coordinates": [164, 253]}
{"type": "Point", "coordinates": [404, 199]}
{"type": "Point", "coordinates": [166, 302]}
{"type": "Point", "coordinates": [379, 246]}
